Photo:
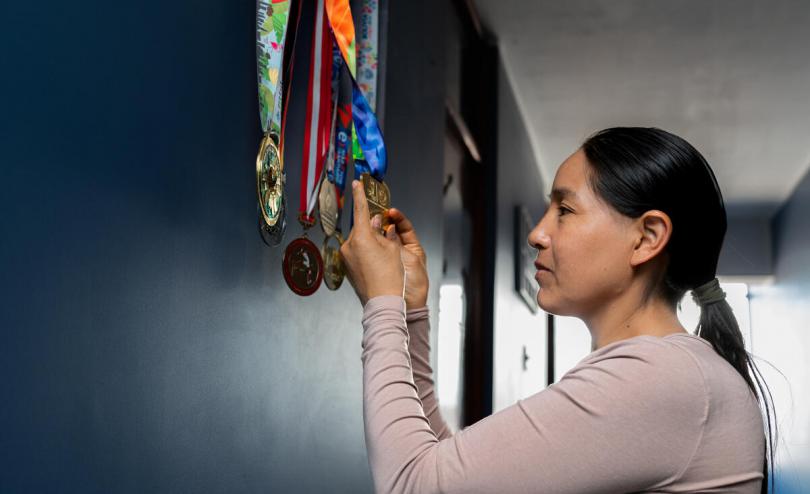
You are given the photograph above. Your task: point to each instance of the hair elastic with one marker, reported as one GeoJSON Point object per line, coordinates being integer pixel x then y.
{"type": "Point", "coordinates": [708, 293]}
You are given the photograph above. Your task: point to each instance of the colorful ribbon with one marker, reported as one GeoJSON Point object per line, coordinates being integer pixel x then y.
{"type": "Point", "coordinates": [367, 42]}
{"type": "Point", "coordinates": [339, 151]}
{"type": "Point", "coordinates": [369, 137]}
{"type": "Point", "coordinates": [271, 30]}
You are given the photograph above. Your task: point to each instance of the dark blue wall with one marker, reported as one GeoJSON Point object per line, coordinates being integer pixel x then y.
{"type": "Point", "coordinates": [149, 341]}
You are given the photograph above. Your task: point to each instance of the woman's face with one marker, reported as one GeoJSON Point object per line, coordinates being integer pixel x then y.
{"type": "Point", "coordinates": [585, 244]}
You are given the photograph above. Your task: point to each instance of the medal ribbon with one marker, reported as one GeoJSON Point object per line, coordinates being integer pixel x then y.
{"type": "Point", "coordinates": [369, 136]}
{"type": "Point", "coordinates": [272, 18]}
{"type": "Point", "coordinates": [339, 150]}
{"type": "Point", "coordinates": [367, 42]}
{"type": "Point", "coordinates": [366, 67]}
{"type": "Point", "coordinates": [319, 103]}
{"type": "Point", "coordinates": [289, 62]}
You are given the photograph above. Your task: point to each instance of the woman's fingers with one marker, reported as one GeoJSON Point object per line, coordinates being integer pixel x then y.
{"type": "Point", "coordinates": [391, 234]}
{"type": "Point", "coordinates": [361, 223]}
{"type": "Point", "coordinates": [404, 226]}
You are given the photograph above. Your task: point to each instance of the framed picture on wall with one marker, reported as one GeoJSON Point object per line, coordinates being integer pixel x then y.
{"type": "Point", "coordinates": [525, 284]}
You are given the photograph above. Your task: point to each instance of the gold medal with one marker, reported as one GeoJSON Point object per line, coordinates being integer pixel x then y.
{"type": "Point", "coordinates": [270, 179]}
{"type": "Point", "coordinates": [378, 197]}
{"type": "Point", "coordinates": [333, 269]}
{"type": "Point", "coordinates": [328, 207]}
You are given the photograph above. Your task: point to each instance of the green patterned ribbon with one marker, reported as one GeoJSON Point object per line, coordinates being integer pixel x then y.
{"type": "Point", "coordinates": [272, 18]}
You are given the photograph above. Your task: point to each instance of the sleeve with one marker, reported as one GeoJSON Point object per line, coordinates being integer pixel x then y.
{"type": "Point", "coordinates": [418, 322]}
{"type": "Point", "coordinates": [624, 420]}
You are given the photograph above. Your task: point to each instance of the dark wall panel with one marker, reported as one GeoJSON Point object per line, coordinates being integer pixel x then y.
{"type": "Point", "coordinates": [150, 343]}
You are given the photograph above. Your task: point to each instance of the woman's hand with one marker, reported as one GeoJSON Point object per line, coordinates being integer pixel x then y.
{"type": "Point", "coordinates": [373, 262]}
{"type": "Point", "coordinates": [413, 258]}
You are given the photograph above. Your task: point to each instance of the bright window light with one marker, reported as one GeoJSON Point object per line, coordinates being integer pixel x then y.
{"type": "Point", "coordinates": [450, 340]}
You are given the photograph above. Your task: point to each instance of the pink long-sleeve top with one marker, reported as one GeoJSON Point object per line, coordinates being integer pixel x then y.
{"type": "Point", "coordinates": [644, 414]}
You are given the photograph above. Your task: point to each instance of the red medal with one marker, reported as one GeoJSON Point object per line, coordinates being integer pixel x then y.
{"type": "Point", "coordinates": [303, 266]}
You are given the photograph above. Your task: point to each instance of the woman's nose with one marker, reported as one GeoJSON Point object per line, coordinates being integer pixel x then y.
{"type": "Point", "coordinates": [538, 237]}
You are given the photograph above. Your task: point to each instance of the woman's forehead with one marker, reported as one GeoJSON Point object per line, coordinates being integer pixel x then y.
{"type": "Point", "coordinates": [570, 181]}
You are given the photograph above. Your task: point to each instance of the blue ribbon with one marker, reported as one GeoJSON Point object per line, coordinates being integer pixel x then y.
{"type": "Point", "coordinates": [369, 137]}
{"type": "Point", "coordinates": [343, 134]}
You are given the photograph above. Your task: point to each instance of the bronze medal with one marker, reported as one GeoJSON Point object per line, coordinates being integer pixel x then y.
{"type": "Point", "coordinates": [270, 180]}
{"type": "Point", "coordinates": [328, 207]}
{"type": "Point", "coordinates": [378, 197]}
{"type": "Point", "coordinates": [333, 270]}
{"type": "Point", "coordinates": [302, 266]}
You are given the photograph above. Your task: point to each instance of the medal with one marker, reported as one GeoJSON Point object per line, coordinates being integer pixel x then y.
{"type": "Point", "coordinates": [378, 197]}
{"type": "Point", "coordinates": [333, 270]}
{"type": "Point", "coordinates": [303, 267]}
{"type": "Point", "coordinates": [327, 198]}
{"type": "Point", "coordinates": [328, 207]}
{"type": "Point", "coordinates": [273, 64]}
{"type": "Point", "coordinates": [270, 180]}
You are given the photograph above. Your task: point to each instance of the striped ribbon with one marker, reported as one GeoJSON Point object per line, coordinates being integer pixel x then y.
{"type": "Point", "coordinates": [318, 120]}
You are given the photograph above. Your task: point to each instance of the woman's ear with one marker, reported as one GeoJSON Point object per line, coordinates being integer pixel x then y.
{"type": "Point", "coordinates": [653, 229]}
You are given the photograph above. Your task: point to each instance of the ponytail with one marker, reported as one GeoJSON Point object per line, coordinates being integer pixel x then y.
{"type": "Point", "coordinates": [719, 327]}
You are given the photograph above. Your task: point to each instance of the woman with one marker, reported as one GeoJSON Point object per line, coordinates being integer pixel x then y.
{"type": "Point", "coordinates": [636, 219]}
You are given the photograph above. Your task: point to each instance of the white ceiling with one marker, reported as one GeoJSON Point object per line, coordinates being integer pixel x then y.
{"type": "Point", "coordinates": [731, 77]}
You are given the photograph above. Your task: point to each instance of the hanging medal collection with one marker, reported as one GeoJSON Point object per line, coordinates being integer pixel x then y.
{"type": "Point", "coordinates": [341, 128]}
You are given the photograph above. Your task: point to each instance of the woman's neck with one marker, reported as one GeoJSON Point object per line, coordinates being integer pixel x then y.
{"type": "Point", "coordinates": [626, 317]}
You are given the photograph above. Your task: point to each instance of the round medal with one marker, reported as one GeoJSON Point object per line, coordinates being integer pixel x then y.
{"type": "Point", "coordinates": [333, 269]}
{"type": "Point", "coordinates": [270, 179]}
{"type": "Point", "coordinates": [302, 266]}
{"type": "Point", "coordinates": [328, 207]}
{"type": "Point", "coordinates": [272, 235]}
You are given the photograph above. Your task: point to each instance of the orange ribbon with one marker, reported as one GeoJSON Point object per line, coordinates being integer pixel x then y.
{"type": "Point", "coordinates": [340, 18]}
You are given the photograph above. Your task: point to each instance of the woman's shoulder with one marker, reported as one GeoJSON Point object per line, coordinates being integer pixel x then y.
{"type": "Point", "coordinates": [674, 368]}
{"type": "Point", "coordinates": [665, 368]}
{"type": "Point", "coordinates": [652, 351]}
{"type": "Point", "coordinates": [656, 350]}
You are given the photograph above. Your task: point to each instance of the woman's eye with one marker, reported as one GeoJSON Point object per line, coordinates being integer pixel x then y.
{"type": "Point", "coordinates": [563, 210]}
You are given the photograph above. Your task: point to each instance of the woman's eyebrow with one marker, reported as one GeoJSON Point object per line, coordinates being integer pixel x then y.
{"type": "Point", "coordinates": [561, 193]}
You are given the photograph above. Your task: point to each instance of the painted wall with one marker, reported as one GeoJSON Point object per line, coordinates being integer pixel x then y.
{"type": "Point", "coordinates": [150, 343]}
{"type": "Point", "coordinates": [519, 183]}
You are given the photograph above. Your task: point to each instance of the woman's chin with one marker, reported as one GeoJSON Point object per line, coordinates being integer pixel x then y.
{"type": "Point", "coordinates": [543, 302]}
{"type": "Point", "coordinates": [547, 303]}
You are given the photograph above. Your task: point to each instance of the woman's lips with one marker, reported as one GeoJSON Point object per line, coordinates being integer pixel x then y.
{"type": "Point", "coordinates": [540, 272]}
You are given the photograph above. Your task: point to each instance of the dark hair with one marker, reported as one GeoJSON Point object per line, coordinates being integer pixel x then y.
{"type": "Point", "coordinates": [636, 169]}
